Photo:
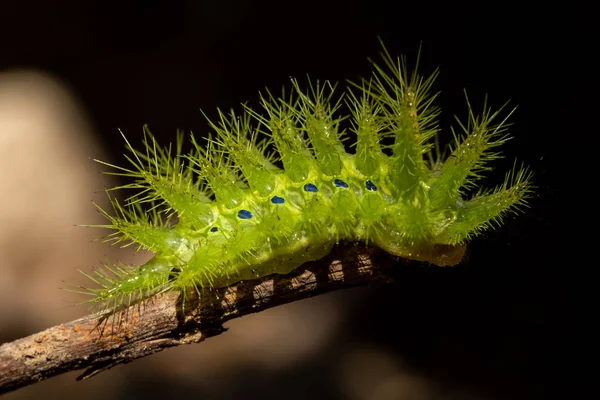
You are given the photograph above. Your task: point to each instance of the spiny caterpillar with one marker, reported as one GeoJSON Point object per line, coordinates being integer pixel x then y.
{"type": "Point", "coordinates": [227, 211]}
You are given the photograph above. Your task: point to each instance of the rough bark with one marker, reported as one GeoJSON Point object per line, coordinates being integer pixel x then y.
{"type": "Point", "coordinates": [98, 342]}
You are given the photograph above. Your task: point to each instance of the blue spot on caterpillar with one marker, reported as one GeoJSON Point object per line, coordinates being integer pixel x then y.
{"type": "Point", "coordinates": [420, 208]}
{"type": "Point", "coordinates": [244, 214]}
{"type": "Point", "coordinates": [340, 183]}
{"type": "Point", "coordinates": [277, 200]}
{"type": "Point", "coordinates": [370, 186]}
{"type": "Point", "coordinates": [309, 187]}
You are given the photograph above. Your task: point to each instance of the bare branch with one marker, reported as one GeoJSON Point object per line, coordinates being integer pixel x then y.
{"type": "Point", "coordinates": [98, 342]}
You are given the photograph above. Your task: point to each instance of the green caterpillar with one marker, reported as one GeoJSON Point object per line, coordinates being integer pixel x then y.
{"type": "Point", "coordinates": [226, 211]}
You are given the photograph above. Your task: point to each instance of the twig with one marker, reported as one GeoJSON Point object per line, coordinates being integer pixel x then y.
{"type": "Point", "coordinates": [98, 342]}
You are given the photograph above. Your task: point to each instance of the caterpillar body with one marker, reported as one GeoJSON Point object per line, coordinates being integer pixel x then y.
{"type": "Point", "coordinates": [233, 209]}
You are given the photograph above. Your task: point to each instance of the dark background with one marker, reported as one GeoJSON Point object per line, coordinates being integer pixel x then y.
{"type": "Point", "coordinates": [492, 323]}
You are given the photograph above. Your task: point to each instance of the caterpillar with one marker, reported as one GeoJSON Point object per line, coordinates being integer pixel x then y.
{"type": "Point", "coordinates": [272, 190]}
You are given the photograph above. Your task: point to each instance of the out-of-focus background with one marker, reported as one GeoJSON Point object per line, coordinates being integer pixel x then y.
{"type": "Point", "coordinates": [72, 73]}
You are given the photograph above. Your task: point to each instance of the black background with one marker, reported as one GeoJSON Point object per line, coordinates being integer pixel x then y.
{"type": "Point", "coordinates": [492, 323]}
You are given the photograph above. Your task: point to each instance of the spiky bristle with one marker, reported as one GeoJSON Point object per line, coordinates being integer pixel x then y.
{"type": "Point", "coordinates": [240, 216]}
